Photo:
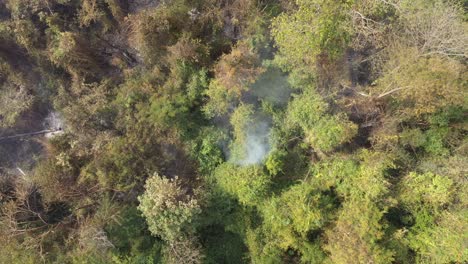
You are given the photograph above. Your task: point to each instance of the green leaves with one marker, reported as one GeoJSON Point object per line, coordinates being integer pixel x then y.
{"type": "Point", "coordinates": [424, 85]}
{"type": "Point", "coordinates": [442, 241]}
{"type": "Point", "coordinates": [307, 109]}
{"type": "Point", "coordinates": [206, 149]}
{"type": "Point", "coordinates": [356, 234]}
{"type": "Point", "coordinates": [297, 211]}
{"type": "Point", "coordinates": [316, 28]}
{"type": "Point", "coordinates": [427, 189]}
{"type": "Point", "coordinates": [328, 133]}
{"type": "Point", "coordinates": [202, 89]}
{"type": "Point", "coordinates": [323, 131]}
{"type": "Point", "coordinates": [248, 184]}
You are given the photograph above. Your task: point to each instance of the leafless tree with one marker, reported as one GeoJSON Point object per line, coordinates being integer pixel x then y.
{"type": "Point", "coordinates": [184, 250]}
{"type": "Point", "coordinates": [436, 30]}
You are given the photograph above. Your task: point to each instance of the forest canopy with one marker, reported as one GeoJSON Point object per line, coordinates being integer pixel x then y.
{"type": "Point", "coordinates": [233, 131]}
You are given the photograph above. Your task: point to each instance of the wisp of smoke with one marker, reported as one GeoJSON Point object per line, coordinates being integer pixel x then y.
{"type": "Point", "coordinates": [54, 122]}
{"type": "Point", "coordinates": [257, 144]}
{"type": "Point", "coordinates": [271, 87]}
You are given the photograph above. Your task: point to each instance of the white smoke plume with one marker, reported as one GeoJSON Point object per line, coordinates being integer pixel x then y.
{"type": "Point", "coordinates": [271, 87]}
{"type": "Point", "coordinates": [257, 146]}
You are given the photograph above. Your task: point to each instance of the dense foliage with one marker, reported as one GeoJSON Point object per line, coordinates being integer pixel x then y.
{"type": "Point", "coordinates": [234, 131]}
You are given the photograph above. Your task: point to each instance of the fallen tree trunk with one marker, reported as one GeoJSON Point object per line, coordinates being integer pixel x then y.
{"type": "Point", "coordinates": [42, 132]}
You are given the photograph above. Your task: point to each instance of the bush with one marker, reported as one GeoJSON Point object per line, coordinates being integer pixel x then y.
{"type": "Point", "coordinates": [91, 12]}
{"type": "Point", "coordinates": [221, 100]}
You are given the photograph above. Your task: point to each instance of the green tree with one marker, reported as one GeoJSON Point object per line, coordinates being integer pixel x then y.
{"type": "Point", "coordinates": [154, 30]}
{"type": "Point", "coordinates": [356, 234]}
{"type": "Point", "coordinates": [168, 209]}
{"type": "Point", "coordinates": [421, 85]}
{"type": "Point", "coordinates": [15, 96]}
{"type": "Point", "coordinates": [441, 240]}
{"type": "Point", "coordinates": [316, 28]}
{"type": "Point", "coordinates": [291, 217]}
{"type": "Point", "coordinates": [71, 51]}
{"type": "Point", "coordinates": [241, 67]}
{"type": "Point", "coordinates": [248, 184]}
{"type": "Point", "coordinates": [323, 131]}
{"type": "Point", "coordinates": [132, 241]}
